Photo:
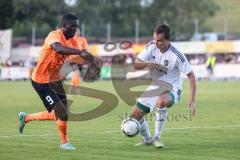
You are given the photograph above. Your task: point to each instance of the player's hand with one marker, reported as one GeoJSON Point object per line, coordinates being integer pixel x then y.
{"type": "Point", "coordinates": [93, 70]}
{"type": "Point", "coordinates": [159, 68]}
{"type": "Point", "coordinates": [98, 62]}
{"type": "Point", "coordinates": [191, 105]}
{"type": "Point", "coordinates": [96, 65]}
{"type": "Point", "coordinates": [87, 56]}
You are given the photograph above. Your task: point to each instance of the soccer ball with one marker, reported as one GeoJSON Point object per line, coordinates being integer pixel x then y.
{"type": "Point", "coordinates": [130, 127]}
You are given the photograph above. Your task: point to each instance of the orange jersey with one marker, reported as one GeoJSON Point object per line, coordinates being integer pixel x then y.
{"type": "Point", "coordinates": [82, 42]}
{"type": "Point", "coordinates": [50, 62]}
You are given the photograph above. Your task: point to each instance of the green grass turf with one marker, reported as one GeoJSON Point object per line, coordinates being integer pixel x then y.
{"type": "Point", "coordinates": [217, 107]}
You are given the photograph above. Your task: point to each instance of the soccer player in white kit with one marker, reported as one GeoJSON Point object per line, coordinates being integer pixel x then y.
{"type": "Point", "coordinates": [160, 52]}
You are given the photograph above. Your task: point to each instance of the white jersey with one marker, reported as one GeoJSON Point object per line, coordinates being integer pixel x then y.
{"type": "Point", "coordinates": [172, 59]}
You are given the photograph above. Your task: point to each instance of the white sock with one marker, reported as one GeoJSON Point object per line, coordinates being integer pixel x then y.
{"type": "Point", "coordinates": [160, 120]}
{"type": "Point", "coordinates": [144, 130]}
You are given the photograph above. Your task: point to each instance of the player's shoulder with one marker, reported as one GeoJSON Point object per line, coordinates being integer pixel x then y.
{"type": "Point", "coordinates": [54, 36]}
{"type": "Point", "coordinates": [56, 32]}
{"type": "Point", "coordinates": [150, 44]}
{"type": "Point", "coordinates": [177, 53]}
{"type": "Point", "coordinates": [82, 38]}
{"type": "Point", "coordinates": [79, 38]}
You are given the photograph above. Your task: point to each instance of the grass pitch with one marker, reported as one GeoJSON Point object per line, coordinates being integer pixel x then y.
{"type": "Point", "coordinates": [213, 134]}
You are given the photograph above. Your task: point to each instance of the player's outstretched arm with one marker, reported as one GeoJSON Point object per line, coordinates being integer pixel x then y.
{"type": "Point", "coordinates": [191, 102]}
{"type": "Point", "coordinates": [59, 48]}
{"type": "Point", "coordinates": [139, 64]}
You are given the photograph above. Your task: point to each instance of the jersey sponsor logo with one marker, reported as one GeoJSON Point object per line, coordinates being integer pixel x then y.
{"type": "Point", "coordinates": [161, 68]}
{"type": "Point", "coordinates": [166, 62]}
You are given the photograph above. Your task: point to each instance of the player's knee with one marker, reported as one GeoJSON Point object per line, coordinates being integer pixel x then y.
{"type": "Point", "coordinates": [61, 112]}
{"type": "Point", "coordinates": [137, 114]}
{"type": "Point", "coordinates": [63, 116]}
{"type": "Point", "coordinates": [161, 102]}
{"type": "Point", "coordinates": [65, 103]}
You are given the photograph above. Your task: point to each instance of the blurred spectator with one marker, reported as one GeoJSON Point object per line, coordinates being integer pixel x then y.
{"type": "Point", "coordinates": [1, 65]}
{"type": "Point", "coordinates": [195, 60]}
{"type": "Point", "coordinates": [238, 59]}
{"type": "Point", "coordinates": [8, 63]}
{"type": "Point", "coordinates": [21, 63]}
{"type": "Point", "coordinates": [29, 64]}
{"type": "Point", "coordinates": [119, 59]}
{"type": "Point", "coordinates": [210, 64]}
{"type": "Point", "coordinates": [75, 81]}
{"type": "Point", "coordinates": [230, 58]}
{"type": "Point", "coordinates": [129, 59]}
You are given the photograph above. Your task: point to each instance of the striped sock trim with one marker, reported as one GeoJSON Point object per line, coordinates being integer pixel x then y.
{"type": "Point", "coordinates": [143, 107]}
{"type": "Point", "coordinates": [172, 96]}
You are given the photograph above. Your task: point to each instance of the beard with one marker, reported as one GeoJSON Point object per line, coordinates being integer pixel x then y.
{"type": "Point", "coordinates": [70, 34]}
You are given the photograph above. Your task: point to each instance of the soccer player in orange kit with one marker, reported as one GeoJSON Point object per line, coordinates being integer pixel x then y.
{"type": "Point", "coordinates": [75, 80]}
{"type": "Point", "coordinates": [46, 78]}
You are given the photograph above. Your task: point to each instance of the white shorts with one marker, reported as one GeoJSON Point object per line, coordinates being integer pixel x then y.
{"type": "Point", "coordinates": [148, 103]}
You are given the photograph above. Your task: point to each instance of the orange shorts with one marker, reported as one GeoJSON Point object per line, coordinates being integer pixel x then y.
{"type": "Point", "coordinates": [75, 83]}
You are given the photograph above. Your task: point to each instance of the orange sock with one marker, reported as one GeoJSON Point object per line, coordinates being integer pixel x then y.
{"type": "Point", "coordinates": [40, 116]}
{"type": "Point", "coordinates": [62, 129]}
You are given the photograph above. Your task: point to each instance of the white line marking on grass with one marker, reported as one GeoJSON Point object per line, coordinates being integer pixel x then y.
{"type": "Point", "coordinates": [202, 127]}
{"type": "Point", "coordinates": [114, 131]}
{"type": "Point", "coordinates": [184, 128]}
{"type": "Point", "coordinates": [26, 135]}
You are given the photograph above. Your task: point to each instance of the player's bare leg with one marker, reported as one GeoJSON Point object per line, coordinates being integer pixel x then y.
{"type": "Point", "coordinates": [70, 90]}
{"type": "Point", "coordinates": [59, 115]}
{"type": "Point", "coordinates": [78, 90]}
{"type": "Point", "coordinates": [162, 104]}
{"type": "Point", "coordinates": [39, 116]}
{"type": "Point", "coordinates": [139, 114]}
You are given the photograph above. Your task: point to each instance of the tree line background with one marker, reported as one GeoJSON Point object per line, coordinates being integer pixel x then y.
{"type": "Point", "coordinates": [45, 15]}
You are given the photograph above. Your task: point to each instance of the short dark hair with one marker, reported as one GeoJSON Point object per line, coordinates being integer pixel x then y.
{"type": "Point", "coordinates": [165, 29]}
{"type": "Point", "coordinates": [68, 18]}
